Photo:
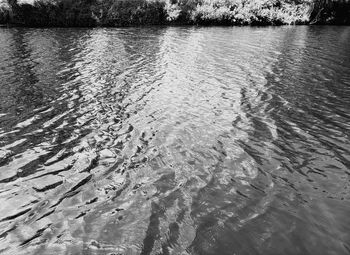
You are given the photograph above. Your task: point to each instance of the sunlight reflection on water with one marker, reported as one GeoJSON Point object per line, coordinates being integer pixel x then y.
{"type": "Point", "coordinates": [175, 140]}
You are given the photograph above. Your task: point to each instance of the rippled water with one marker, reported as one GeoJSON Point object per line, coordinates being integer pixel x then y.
{"type": "Point", "coordinates": [175, 141]}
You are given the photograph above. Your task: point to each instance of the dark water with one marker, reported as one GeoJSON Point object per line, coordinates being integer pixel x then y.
{"type": "Point", "coordinates": [175, 141]}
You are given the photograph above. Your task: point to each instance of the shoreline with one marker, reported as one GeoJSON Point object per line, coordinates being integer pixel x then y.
{"type": "Point", "coordinates": [172, 25]}
{"type": "Point", "coordinates": [135, 13]}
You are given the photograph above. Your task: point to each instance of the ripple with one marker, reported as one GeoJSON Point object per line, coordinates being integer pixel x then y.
{"type": "Point", "coordinates": [174, 141]}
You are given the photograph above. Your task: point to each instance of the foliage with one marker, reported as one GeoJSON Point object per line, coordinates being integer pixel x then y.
{"type": "Point", "coordinates": [4, 12]}
{"type": "Point", "coordinates": [252, 12]}
{"type": "Point", "coordinates": [330, 12]}
{"type": "Point", "coordinates": [131, 12]}
{"type": "Point", "coordinates": [141, 12]}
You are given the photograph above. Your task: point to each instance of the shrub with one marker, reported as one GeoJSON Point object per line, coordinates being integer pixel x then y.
{"type": "Point", "coordinates": [140, 12]}
{"type": "Point", "coordinates": [133, 12]}
{"type": "Point", "coordinates": [243, 12]}
{"type": "Point", "coordinates": [4, 12]}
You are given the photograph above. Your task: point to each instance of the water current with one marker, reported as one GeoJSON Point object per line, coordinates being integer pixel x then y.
{"type": "Point", "coordinates": [175, 140]}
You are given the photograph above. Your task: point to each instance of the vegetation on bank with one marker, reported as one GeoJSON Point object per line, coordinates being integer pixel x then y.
{"type": "Point", "coordinates": [202, 12]}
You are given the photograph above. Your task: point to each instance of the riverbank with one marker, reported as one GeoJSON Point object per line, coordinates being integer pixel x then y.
{"type": "Point", "coordinates": [90, 13]}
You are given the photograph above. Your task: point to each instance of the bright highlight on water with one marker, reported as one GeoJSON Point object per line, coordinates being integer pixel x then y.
{"type": "Point", "coordinates": [203, 141]}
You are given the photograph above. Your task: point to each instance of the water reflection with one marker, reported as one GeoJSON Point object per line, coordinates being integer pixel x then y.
{"type": "Point", "coordinates": [174, 141]}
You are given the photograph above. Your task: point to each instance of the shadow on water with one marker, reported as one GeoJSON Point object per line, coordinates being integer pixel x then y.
{"type": "Point", "coordinates": [174, 141]}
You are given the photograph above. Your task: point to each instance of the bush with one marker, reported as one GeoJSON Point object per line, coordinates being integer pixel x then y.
{"type": "Point", "coordinates": [142, 12]}
{"type": "Point", "coordinates": [254, 12]}
{"type": "Point", "coordinates": [4, 12]}
{"type": "Point", "coordinates": [327, 12]}
{"type": "Point", "coordinates": [132, 12]}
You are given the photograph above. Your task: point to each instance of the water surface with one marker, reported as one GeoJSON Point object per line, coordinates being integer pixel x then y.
{"type": "Point", "coordinates": [175, 141]}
